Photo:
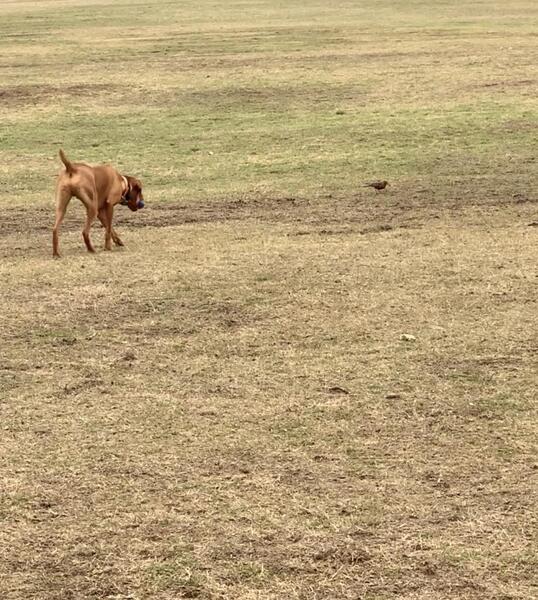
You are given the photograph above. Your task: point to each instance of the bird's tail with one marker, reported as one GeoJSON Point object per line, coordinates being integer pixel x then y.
{"type": "Point", "coordinates": [69, 167]}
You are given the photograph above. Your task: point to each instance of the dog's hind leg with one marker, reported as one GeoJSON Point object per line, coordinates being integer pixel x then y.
{"type": "Point", "coordinates": [91, 213]}
{"type": "Point", "coordinates": [63, 195]}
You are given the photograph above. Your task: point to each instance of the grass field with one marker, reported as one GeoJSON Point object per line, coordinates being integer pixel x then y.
{"type": "Point", "coordinates": [285, 385]}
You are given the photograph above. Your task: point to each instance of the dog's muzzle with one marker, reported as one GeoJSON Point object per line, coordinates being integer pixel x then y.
{"type": "Point", "coordinates": [139, 204]}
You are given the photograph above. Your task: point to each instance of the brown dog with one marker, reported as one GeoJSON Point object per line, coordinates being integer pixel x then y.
{"type": "Point", "coordinates": [99, 188]}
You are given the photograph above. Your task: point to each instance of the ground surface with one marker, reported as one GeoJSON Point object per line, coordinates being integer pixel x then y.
{"type": "Point", "coordinates": [232, 405]}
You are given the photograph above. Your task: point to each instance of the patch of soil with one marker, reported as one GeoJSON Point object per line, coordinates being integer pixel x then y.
{"type": "Point", "coordinates": [334, 216]}
{"type": "Point", "coordinates": [508, 83]}
{"type": "Point", "coordinates": [34, 93]}
{"type": "Point", "coordinates": [328, 215]}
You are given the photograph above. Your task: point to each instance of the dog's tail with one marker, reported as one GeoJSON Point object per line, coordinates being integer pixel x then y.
{"type": "Point", "coordinates": [69, 167]}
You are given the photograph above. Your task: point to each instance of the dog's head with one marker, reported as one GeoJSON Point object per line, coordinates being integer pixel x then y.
{"type": "Point", "coordinates": [133, 197]}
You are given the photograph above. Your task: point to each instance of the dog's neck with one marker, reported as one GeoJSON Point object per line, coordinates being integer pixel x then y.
{"type": "Point", "coordinates": [125, 189]}
{"type": "Point", "coordinates": [124, 186]}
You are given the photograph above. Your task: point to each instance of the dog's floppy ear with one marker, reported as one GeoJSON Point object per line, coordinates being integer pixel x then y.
{"type": "Point", "coordinates": [133, 182]}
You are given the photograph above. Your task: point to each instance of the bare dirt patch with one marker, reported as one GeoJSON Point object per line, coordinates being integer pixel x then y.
{"type": "Point", "coordinates": [409, 206]}
{"type": "Point", "coordinates": [34, 94]}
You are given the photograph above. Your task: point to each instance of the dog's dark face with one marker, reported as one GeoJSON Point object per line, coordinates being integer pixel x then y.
{"type": "Point", "coordinates": [135, 199]}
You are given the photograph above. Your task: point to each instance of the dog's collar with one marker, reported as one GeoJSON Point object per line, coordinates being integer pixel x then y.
{"type": "Point", "coordinates": [126, 188]}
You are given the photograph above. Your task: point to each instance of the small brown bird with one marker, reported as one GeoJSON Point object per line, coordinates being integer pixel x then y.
{"type": "Point", "coordinates": [378, 185]}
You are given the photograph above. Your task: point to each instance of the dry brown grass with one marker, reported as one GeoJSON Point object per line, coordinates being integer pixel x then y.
{"type": "Point", "coordinates": [228, 407]}
{"type": "Point", "coordinates": [235, 414]}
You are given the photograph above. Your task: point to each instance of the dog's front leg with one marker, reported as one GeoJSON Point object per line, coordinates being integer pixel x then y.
{"type": "Point", "coordinates": [116, 238]}
{"type": "Point", "coordinates": [103, 217]}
